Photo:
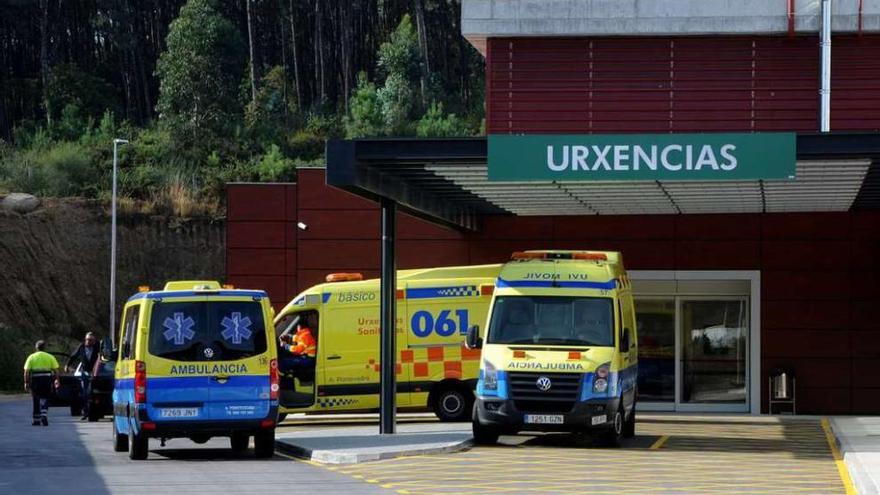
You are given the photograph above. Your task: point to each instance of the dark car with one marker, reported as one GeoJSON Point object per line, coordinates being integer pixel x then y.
{"type": "Point", "coordinates": [69, 392]}
{"type": "Point", "coordinates": [101, 393]}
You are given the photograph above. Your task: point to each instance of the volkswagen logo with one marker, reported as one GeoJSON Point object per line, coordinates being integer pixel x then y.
{"type": "Point", "coordinates": [543, 383]}
{"type": "Point", "coordinates": [209, 353]}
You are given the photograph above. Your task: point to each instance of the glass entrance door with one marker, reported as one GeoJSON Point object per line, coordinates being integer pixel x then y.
{"type": "Point", "coordinates": [693, 353]}
{"type": "Point", "coordinates": [714, 352]}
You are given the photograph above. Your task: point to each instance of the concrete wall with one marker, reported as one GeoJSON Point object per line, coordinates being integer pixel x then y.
{"type": "Point", "coordinates": [482, 19]}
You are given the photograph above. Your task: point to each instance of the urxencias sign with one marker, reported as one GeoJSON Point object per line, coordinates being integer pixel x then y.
{"type": "Point", "coordinates": [591, 157]}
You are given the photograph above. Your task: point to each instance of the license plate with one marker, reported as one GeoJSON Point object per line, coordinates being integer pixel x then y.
{"type": "Point", "coordinates": [179, 412]}
{"type": "Point", "coordinates": [544, 419]}
{"type": "Point", "coordinates": [598, 420]}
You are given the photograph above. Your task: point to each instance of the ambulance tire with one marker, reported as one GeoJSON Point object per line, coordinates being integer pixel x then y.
{"type": "Point", "coordinates": [239, 442]}
{"type": "Point", "coordinates": [453, 403]}
{"type": "Point", "coordinates": [138, 446]}
{"type": "Point", "coordinates": [264, 444]}
{"type": "Point", "coordinates": [282, 417]}
{"type": "Point", "coordinates": [629, 426]}
{"type": "Point", "coordinates": [120, 441]}
{"type": "Point", "coordinates": [484, 435]}
{"type": "Point", "coordinates": [614, 436]}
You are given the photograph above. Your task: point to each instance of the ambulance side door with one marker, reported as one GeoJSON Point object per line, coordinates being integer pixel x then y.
{"type": "Point", "coordinates": [349, 352]}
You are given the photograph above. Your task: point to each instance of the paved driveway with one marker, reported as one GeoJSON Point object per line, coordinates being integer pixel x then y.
{"type": "Point", "coordinates": [670, 454]}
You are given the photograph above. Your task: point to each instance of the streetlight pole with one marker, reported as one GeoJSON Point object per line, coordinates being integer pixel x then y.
{"type": "Point", "coordinates": [116, 143]}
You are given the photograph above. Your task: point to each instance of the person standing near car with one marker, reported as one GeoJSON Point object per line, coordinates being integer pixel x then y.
{"type": "Point", "coordinates": [40, 373]}
{"type": "Point", "coordinates": [87, 354]}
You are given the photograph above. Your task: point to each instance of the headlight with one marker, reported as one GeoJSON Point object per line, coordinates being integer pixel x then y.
{"type": "Point", "coordinates": [490, 376]}
{"type": "Point", "coordinates": [600, 380]}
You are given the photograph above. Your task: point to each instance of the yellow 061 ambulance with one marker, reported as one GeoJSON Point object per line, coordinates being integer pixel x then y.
{"type": "Point", "coordinates": [435, 309]}
{"type": "Point", "coordinates": [559, 350]}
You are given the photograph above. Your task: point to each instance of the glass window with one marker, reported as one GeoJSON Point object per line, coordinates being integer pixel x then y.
{"type": "Point", "coordinates": [129, 332]}
{"type": "Point", "coordinates": [207, 331]}
{"type": "Point", "coordinates": [552, 320]}
{"type": "Point", "coordinates": [655, 321]}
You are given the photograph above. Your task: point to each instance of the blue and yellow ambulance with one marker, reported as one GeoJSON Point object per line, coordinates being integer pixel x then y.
{"type": "Point", "coordinates": [196, 360]}
{"type": "Point", "coordinates": [559, 349]}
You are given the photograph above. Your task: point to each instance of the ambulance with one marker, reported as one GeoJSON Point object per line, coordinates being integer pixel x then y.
{"type": "Point", "coordinates": [435, 371]}
{"type": "Point", "coordinates": [196, 360]}
{"type": "Point", "coordinates": [559, 349]}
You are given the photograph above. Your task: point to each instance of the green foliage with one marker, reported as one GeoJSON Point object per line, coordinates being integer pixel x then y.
{"type": "Point", "coordinates": [400, 54]}
{"type": "Point", "coordinates": [365, 117]}
{"type": "Point", "coordinates": [199, 75]}
{"type": "Point", "coordinates": [90, 95]}
{"type": "Point", "coordinates": [269, 114]}
{"type": "Point", "coordinates": [437, 124]}
{"type": "Point", "coordinates": [61, 169]}
{"type": "Point", "coordinates": [272, 166]}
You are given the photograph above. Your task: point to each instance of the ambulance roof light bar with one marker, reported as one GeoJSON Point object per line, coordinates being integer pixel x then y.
{"type": "Point", "coordinates": [557, 255]}
{"type": "Point", "coordinates": [344, 277]}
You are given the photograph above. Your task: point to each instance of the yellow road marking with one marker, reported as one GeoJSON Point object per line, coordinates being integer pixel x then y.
{"type": "Point", "coordinates": [292, 458]}
{"type": "Point", "coordinates": [838, 459]}
{"type": "Point", "coordinates": [659, 443]}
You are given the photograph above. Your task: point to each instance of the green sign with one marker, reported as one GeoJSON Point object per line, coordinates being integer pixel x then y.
{"type": "Point", "coordinates": [591, 157]}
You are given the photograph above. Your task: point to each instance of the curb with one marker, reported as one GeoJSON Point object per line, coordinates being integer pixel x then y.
{"type": "Point", "coordinates": [862, 481]}
{"type": "Point", "coordinates": [348, 457]}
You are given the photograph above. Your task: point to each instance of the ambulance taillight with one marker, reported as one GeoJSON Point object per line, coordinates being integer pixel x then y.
{"type": "Point", "coordinates": [344, 277]}
{"type": "Point", "coordinates": [274, 380]}
{"type": "Point", "coordinates": [589, 256]}
{"type": "Point", "coordinates": [140, 382]}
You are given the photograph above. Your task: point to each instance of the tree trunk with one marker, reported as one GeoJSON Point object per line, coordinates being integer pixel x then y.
{"type": "Point", "coordinates": [250, 26]}
{"type": "Point", "coordinates": [423, 47]}
{"type": "Point", "coordinates": [296, 77]}
{"type": "Point", "coordinates": [44, 57]}
{"type": "Point", "coordinates": [319, 50]}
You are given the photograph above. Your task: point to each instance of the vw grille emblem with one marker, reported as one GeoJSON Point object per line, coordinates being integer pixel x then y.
{"type": "Point", "coordinates": [209, 353]}
{"type": "Point", "coordinates": [543, 383]}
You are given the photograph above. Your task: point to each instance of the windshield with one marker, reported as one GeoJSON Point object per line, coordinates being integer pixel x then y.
{"type": "Point", "coordinates": [207, 331]}
{"type": "Point", "coordinates": [552, 320]}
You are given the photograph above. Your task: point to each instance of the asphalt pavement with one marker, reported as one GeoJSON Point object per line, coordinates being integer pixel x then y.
{"type": "Point", "coordinates": [71, 457]}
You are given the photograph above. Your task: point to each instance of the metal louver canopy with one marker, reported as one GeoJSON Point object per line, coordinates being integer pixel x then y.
{"type": "Point", "coordinates": [445, 181]}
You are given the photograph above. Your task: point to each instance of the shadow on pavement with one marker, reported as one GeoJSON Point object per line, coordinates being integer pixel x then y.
{"type": "Point", "coordinates": [28, 450]}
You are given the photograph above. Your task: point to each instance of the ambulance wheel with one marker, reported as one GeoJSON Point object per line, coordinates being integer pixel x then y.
{"type": "Point", "coordinates": [239, 442]}
{"type": "Point", "coordinates": [484, 435]}
{"type": "Point", "coordinates": [614, 435]}
{"type": "Point", "coordinates": [629, 426]}
{"type": "Point", "coordinates": [282, 417]}
{"type": "Point", "coordinates": [264, 444]}
{"type": "Point", "coordinates": [453, 404]}
{"type": "Point", "coordinates": [120, 441]}
{"type": "Point", "coordinates": [138, 446]}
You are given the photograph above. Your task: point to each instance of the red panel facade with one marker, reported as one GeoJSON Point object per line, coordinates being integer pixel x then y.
{"type": "Point", "coordinates": [677, 84]}
{"type": "Point", "coordinates": [820, 291]}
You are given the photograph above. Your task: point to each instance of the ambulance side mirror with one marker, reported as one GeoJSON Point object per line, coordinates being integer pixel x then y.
{"type": "Point", "coordinates": [473, 340]}
{"type": "Point", "coordinates": [625, 340]}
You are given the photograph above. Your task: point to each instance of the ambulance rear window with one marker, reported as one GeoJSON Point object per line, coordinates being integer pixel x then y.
{"type": "Point", "coordinates": [552, 320]}
{"type": "Point", "coordinates": [207, 331]}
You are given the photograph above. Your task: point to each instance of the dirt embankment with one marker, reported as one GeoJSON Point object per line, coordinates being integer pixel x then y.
{"type": "Point", "coordinates": [55, 269]}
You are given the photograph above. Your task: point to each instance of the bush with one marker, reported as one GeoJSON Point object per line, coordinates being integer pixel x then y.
{"type": "Point", "coordinates": [60, 169]}
{"type": "Point", "coordinates": [305, 145]}
{"type": "Point", "coordinates": [437, 124]}
{"type": "Point", "coordinates": [273, 166]}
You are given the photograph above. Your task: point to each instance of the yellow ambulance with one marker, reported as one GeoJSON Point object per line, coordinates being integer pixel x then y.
{"type": "Point", "coordinates": [435, 308]}
{"type": "Point", "coordinates": [559, 351]}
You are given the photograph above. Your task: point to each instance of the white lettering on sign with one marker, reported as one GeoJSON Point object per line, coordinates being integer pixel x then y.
{"type": "Point", "coordinates": [626, 157]}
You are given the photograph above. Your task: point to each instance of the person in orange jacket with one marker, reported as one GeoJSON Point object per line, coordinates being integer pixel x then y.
{"type": "Point", "coordinates": [300, 347]}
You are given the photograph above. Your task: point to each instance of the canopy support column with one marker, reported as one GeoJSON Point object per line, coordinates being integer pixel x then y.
{"type": "Point", "coordinates": [388, 319]}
